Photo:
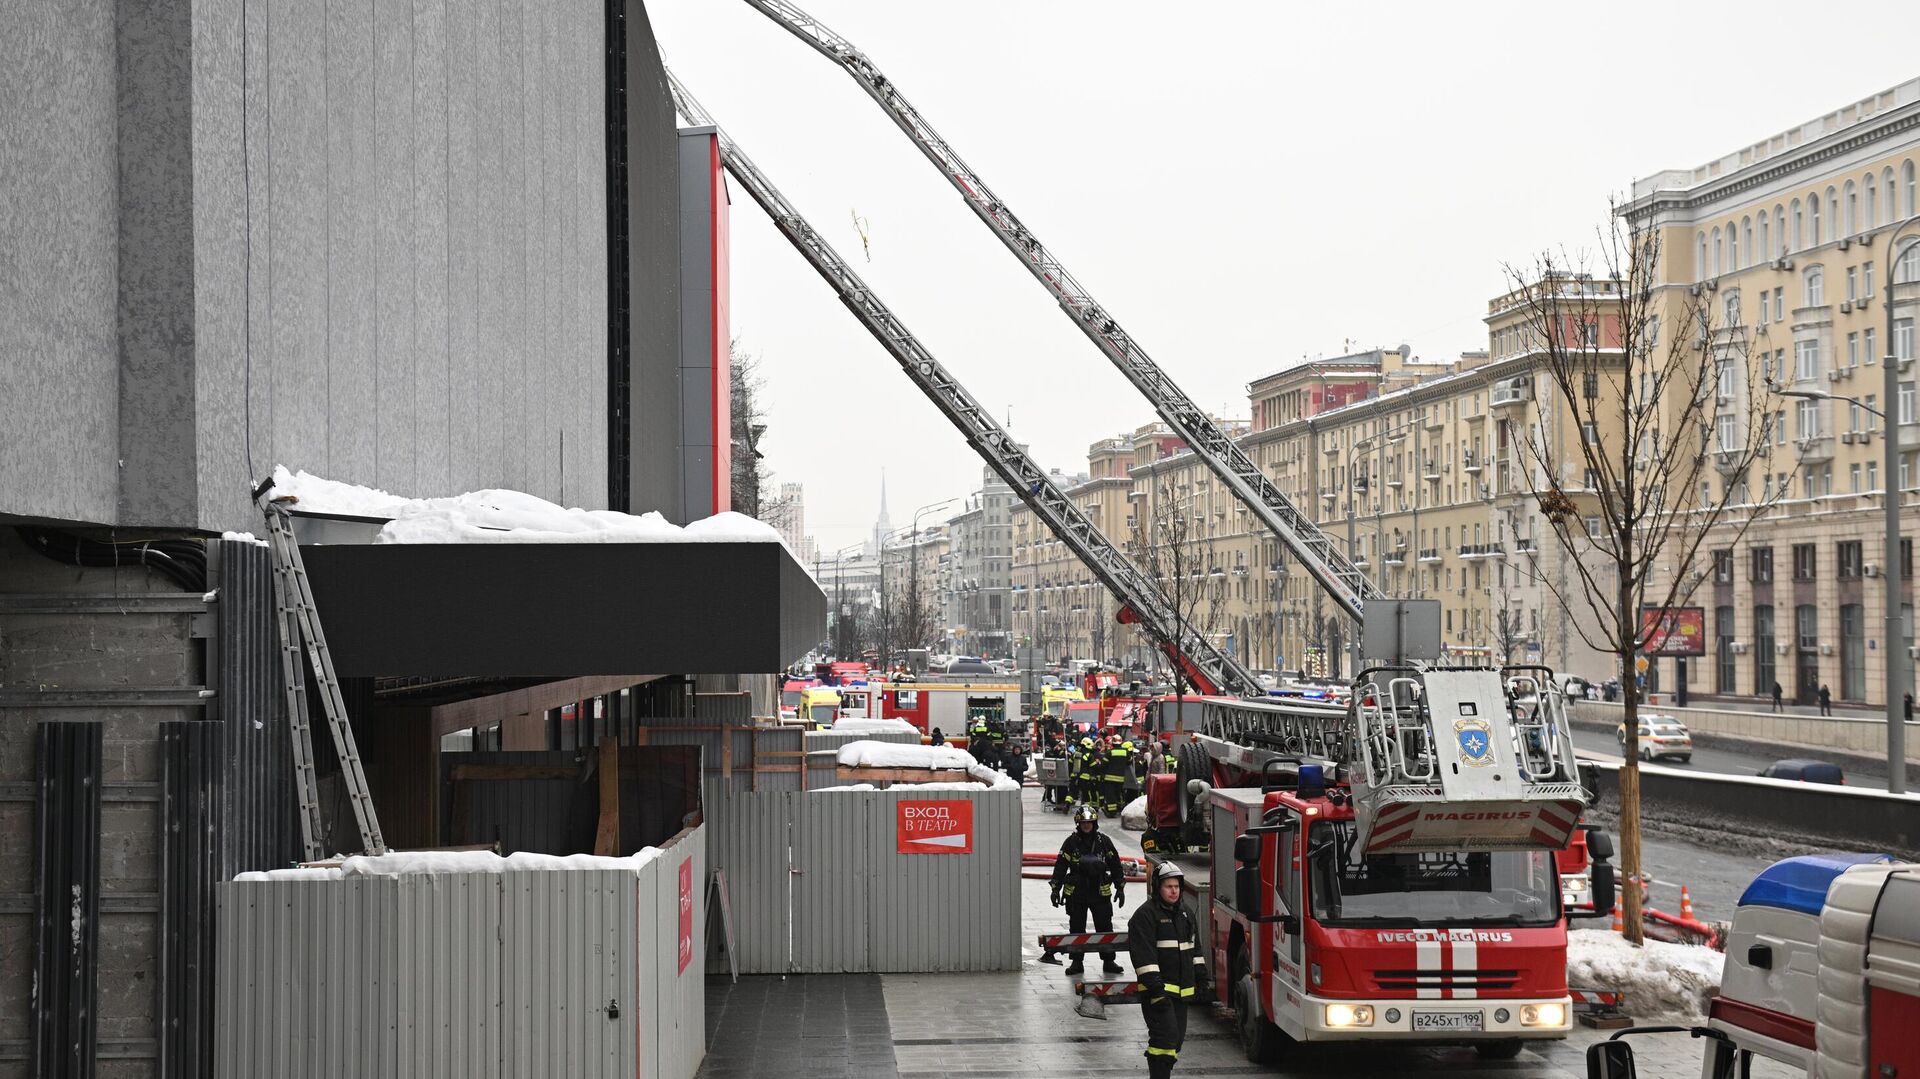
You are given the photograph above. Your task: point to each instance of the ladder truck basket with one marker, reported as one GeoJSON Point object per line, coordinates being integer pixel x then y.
{"type": "Point", "coordinates": [1463, 758]}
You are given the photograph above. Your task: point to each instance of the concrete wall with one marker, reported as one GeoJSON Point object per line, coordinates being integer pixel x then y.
{"type": "Point", "coordinates": [363, 239]}
{"type": "Point", "coordinates": [653, 288]}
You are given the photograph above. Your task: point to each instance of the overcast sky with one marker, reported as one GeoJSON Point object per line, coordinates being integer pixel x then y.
{"type": "Point", "coordinates": [1242, 184]}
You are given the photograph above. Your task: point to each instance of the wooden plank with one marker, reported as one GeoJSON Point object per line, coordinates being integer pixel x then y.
{"type": "Point", "coordinates": [606, 841]}
{"type": "Point", "coordinates": [473, 772]}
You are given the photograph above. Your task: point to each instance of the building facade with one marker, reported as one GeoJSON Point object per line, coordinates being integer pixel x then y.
{"type": "Point", "coordinates": [1805, 247]}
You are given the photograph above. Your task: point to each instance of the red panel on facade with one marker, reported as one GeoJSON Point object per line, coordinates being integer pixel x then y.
{"type": "Point", "coordinates": [722, 341]}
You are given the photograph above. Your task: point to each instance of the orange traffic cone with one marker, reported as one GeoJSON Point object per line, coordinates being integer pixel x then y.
{"type": "Point", "coordinates": [1619, 920]}
{"type": "Point", "coordinates": [1686, 903]}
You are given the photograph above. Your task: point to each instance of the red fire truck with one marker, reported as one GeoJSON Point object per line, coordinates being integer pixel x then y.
{"type": "Point", "coordinates": [1315, 939]}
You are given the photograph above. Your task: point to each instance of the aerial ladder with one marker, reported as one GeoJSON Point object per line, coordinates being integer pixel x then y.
{"type": "Point", "coordinates": [1211, 670]}
{"type": "Point", "coordinates": [1316, 551]}
{"type": "Point", "coordinates": [1520, 789]}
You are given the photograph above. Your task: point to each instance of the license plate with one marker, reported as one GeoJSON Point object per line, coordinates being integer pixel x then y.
{"type": "Point", "coordinates": [1448, 1021]}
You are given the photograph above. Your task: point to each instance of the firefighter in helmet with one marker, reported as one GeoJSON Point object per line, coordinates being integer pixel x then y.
{"type": "Point", "coordinates": [1085, 776]}
{"type": "Point", "coordinates": [1116, 773]}
{"type": "Point", "coordinates": [1163, 940]}
{"type": "Point", "coordinates": [1088, 879]}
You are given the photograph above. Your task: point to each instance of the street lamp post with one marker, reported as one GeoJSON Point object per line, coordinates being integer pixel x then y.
{"type": "Point", "coordinates": [1898, 663]}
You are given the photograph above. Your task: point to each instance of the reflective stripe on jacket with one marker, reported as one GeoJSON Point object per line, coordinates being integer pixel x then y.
{"type": "Point", "coordinates": [1164, 944]}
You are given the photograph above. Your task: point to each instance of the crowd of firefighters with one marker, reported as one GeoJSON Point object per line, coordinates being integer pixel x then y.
{"type": "Point", "coordinates": [1103, 768]}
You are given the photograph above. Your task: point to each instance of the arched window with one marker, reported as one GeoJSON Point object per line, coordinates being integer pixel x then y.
{"type": "Point", "coordinates": [1893, 199]}
{"type": "Point", "coordinates": [1833, 214]}
{"type": "Point", "coordinates": [1798, 222]}
{"type": "Point", "coordinates": [1813, 221]}
{"type": "Point", "coordinates": [1746, 240]}
{"type": "Point", "coordinates": [1814, 286]}
{"type": "Point", "coordinates": [1851, 213]}
{"type": "Point", "coordinates": [1733, 247]}
{"type": "Point", "coordinates": [1765, 250]}
{"type": "Point", "coordinates": [1700, 269]}
{"type": "Point", "coordinates": [1719, 249]}
{"type": "Point", "coordinates": [1872, 217]}
{"type": "Point", "coordinates": [1906, 181]}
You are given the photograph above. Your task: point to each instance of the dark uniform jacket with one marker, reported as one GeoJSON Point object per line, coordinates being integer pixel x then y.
{"type": "Point", "coordinates": [1088, 865]}
{"type": "Point", "coordinates": [1164, 944]}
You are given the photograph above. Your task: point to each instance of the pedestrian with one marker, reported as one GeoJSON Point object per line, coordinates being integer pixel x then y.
{"type": "Point", "coordinates": [1776, 696]}
{"type": "Point", "coordinates": [1154, 756]}
{"type": "Point", "coordinates": [1826, 700]}
{"type": "Point", "coordinates": [1163, 941]}
{"type": "Point", "coordinates": [937, 738]}
{"type": "Point", "coordinates": [1089, 880]}
{"type": "Point", "coordinates": [1016, 763]}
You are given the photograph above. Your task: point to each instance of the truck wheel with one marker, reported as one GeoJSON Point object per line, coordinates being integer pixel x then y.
{"type": "Point", "coordinates": [1505, 1049]}
{"type": "Point", "coordinates": [1260, 1040]}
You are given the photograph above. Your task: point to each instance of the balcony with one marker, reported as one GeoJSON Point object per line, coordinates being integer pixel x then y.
{"type": "Point", "coordinates": [1526, 546]}
{"type": "Point", "coordinates": [1429, 554]}
{"type": "Point", "coordinates": [1431, 471]}
{"type": "Point", "coordinates": [1396, 480]}
{"type": "Point", "coordinates": [1509, 393]}
{"type": "Point", "coordinates": [1814, 449]}
{"type": "Point", "coordinates": [1473, 551]}
{"type": "Point", "coordinates": [1396, 557]}
{"type": "Point", "coordinates": [1471, 465]}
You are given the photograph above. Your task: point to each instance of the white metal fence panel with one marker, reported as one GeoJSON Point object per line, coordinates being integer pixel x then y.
{"type": "Point", "coordinates": [946, 912]}
{"type": "Point", "coordinates": [830, 890]}
{"type": "Point", "coordinates": [567, 989]}
{"type": "Point", "coordinates": [447, 1022]}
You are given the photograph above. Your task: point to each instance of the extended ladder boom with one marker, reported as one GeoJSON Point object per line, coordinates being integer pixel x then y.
{"type": "Point", "coordinates": [1348, 587]}
{"type": "Point", "coordinates": [1134, 589]}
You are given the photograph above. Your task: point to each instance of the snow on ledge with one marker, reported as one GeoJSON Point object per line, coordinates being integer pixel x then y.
{"type": "Point", "coordinates": [867, 754]}
{"type": "Point", "coordinates": [435, 863]}
{"type": "Point", "coordinates": [500, 516]}
{"type": "Point", "coordinates": [874, 726]}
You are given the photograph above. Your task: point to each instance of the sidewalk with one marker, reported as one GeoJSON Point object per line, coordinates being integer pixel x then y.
{"type": "Point", "coordinates": [1022, 1023]}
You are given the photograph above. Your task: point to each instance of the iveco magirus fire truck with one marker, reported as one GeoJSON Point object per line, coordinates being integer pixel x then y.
{"type": "Point", "coordinates": [1401, 887]}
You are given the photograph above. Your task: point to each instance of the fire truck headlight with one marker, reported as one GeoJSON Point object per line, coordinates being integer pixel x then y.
{"type": "Point", "coordinates": [1349, 1015]}
{"type": "Point", "coordinates": [1543, 1015]}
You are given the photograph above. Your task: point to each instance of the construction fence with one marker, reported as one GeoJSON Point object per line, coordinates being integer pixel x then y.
{"type": "Point", "coordinates": [569, 972]}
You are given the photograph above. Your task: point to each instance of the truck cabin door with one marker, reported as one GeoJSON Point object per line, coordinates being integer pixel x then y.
{"type": "Point", "coordinates": [1287, 900]}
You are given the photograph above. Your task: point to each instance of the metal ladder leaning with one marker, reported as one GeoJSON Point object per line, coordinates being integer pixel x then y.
{"type": "Point", "coordinates": [298, 627]}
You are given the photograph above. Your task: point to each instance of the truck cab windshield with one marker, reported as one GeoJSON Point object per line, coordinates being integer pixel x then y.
{"type": "Point", "coordinates": [1519, 888]}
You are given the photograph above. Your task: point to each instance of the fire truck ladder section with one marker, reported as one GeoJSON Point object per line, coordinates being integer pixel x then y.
{"type": "Point", "coordinates": [1348, 587]}
{"type": "Point", "coordinates": [1462, 759]}
{"type": "Point", "coordinates": [1212, 670]}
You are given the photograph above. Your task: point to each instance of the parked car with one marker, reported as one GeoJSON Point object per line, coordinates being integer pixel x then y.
{"type": "Point", "coordinates": [1661, 737]}
{"type": "Point", "coordinates": [970, 666]}
{"type": "Point", "coordinates": [1805, 771]}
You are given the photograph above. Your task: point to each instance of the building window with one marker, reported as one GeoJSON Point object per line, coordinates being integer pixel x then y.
{"type": "Point", "coordinates": [1798, 220]}
{"type": "Point", "coordinates": [1763, 645]}
{"type": "Point", "coordinates": [1730, 308]}
{"type": "Point", "coordinates": [1729, 434]}
{"type": "Point", "coordinates": [1815, 280]}
{"type": "Point", "coordinates": [1723, 626]}
{"type": "Point", "coordinates": [1873, 207]}
{"type": "Point", "coordinates": [1867, 343]}
{"type": "Point", "coordinates": [1873, 475]}
{"type": "Point", "coordinates": [1851, 222]}
{"type": "Point", "coordinates": [1590, 384]}
{"type": "Point", "coordinates": [1806, 558]}
{"type": "Point", "coordinates": [1853, 284]}
{"type": "Point", "coordinates": [1866, 280]}
{"type": "Point", "coordinates": [1760, 565]}
{"type": "Point", "coordinates": [1813, 222]}
{"type": "Point", "coordinates": [1806, 360]}
{"type": "Point", "coordinates": [1809, 416]}
{"type": "Point", "coordinates": [1853, 651]}
{"type": "Point", "coordinates": [1806, 627]}
{"type": "Point", "coordinates": [1848, 553]}
{"type": "Point", "coordinates": [1853, 350]}
{"type": "Point", "coordinates": [1907, 183]}
{"type": "Point", "coordinates": [1723, 567]}
{"type": "Point", "coordinates": [1906, 404]}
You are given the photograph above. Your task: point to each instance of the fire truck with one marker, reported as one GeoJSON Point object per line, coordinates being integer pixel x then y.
{"type": "Point", "coordinates": [1408, 893]}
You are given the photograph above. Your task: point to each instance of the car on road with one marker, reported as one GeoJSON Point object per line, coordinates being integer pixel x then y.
{"type": "Point", "coordinates": [965, 665]}
{"type": "Point", "coordinates": [1805, 771]}
{"type": "Point", "coordinates": [1661, 737]}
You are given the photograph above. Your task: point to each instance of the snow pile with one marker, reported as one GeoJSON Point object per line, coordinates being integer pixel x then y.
{"type": "Point", "coordinates": [875, 726]}
{"type": "Point", "coordinates": [499, 516]}
{"type": "Point", "coordinates": [1134, 817]}
{"type": "Point", "coordinates": [432, 863]}
{"type": "Point", "coordinates": [1662, 981]}
{"type": "Point", "coordinates": [244, 537]}
{"type": "Point", "coordinates": [869, 754]}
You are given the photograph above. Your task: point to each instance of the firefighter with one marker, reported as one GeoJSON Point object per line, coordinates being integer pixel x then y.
{"type": "Point", "coordinates": [1084, 763]}
{"type": "Point", "coordinates": [1089, 879]}
{"type": "Point", "coordinates": [997, 741]}
{"type": "Point", "coordinates": [1163, 941]}
{"type": "Point", "coordinates": [977, 738]}
{"type": "Point", "coordinates": [1114, 772]}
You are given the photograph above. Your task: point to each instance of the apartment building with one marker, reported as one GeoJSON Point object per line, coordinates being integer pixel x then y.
{"type": "Point", "coordinates": [1805, 247]}
{"type": "Point", "coordinates": [977, 598]}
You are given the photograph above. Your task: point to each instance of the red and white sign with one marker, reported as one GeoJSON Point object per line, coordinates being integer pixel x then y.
{"type": "Point", "coordinates": [935, 827]}
{"type": "Point", "coordinates": [686, 914]}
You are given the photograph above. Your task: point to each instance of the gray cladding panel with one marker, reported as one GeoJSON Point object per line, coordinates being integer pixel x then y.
{"type": "Point", "coordinates": [428, 219]}
{"type": "Point", "coordinates": [59, 413]}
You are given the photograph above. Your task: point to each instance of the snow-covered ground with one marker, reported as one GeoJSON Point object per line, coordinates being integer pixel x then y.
{"type": "Point", "coordinates": [500, 516]}
{"type": "Point", "coordinates": [1661, 981]}
{"type": "Point", "coordinates": [442, 862]}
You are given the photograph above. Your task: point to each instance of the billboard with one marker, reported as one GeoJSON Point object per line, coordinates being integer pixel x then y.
{"type": "Point", "coordinates": [1673, 631]}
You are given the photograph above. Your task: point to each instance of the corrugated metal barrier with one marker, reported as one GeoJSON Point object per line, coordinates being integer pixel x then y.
{"type": "Point", "coordinates": [818, 885]}
{"type": "Point", "coordinates": [577, 973]}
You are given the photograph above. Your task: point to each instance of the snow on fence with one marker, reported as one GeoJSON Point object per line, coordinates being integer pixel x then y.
{"type": "Point", "coordinates": [466, 968]}
{"type": "Point", "coordinates": [891, 881]}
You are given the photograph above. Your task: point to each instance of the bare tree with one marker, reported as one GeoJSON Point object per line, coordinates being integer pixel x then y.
{"type": "Point", "coordinates": [750, 477]}
{"type": "Point", "coordinates": [1165, 546]}
{"type": "Point", "coordinates": [1642, 446]}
